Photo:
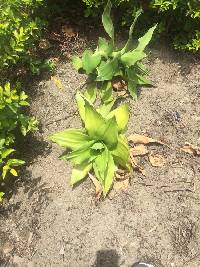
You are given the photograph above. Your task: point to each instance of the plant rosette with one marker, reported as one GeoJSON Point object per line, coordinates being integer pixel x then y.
{"type": "Point", "coordinates": [100, 146]}
{"type": "Point", "coordinates": [108, 62]}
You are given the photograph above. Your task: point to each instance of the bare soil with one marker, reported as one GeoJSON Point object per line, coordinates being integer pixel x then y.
{"type": "Point", "coordinates": [156, 219]}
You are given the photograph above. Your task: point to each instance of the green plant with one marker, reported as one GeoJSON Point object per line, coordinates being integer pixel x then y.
{"type": "Point", "coordinates": [108, 62]}
{"type": "Point", "coordinates": [20, 28]}
{"type": "Point", "coordinates": [100, 146]}
{"type": "Point", "coordinates": [171, 16]}
{"type": "Point", "coordinates": [11, 119]}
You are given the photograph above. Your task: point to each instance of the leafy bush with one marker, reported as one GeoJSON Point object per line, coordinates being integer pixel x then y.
{"type": "Point", "coordinates": [179, 20]}
{"type": "Point", "coordinates": [108, 61]}
{"type": "Point", "coordinates": [11, 119]}
{"type": "Point", "coordinates": [20, 27]}
{"type": "Point", "coordinates": [100, 146]}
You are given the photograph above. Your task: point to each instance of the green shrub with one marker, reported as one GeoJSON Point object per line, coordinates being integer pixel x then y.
{"type": "Point", "coordinates": [12, 118]}
{"type": "Point", "coordinates": [21, 25]}
{"type": "Point", "coordinates": [101, 146]}
{"type": "Point", "coordinates": [178, 20]}
{"type": "Point", "coordinates": [109, 62]}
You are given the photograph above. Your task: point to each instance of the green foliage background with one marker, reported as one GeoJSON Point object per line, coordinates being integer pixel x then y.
{"type": "Point", "coordinates": [179, 20]}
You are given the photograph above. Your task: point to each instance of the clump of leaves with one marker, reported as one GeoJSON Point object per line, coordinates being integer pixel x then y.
{"type": "Point", "coordinates": [11, 119]}
{"type": "Point", "coordinates": [108, 61]}
{"type": "Point", "coordinates": [100, 146]}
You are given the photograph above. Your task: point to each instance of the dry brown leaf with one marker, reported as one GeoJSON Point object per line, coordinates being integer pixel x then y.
{"type": "Point", "coordinates": [118, 84]}
{"type": "Point", "coordinates": [141, 139]}
{"type": "Point", "coordinates": [136, 166]}
{"type": "Point", "coordinates": [191, 149]}
{"type": "Point", "coordinates": [98, 187]}
{"type": "Point", "coordinates": [44, 44]}
{"type": "Point", "coordinates": [68, 31]}
{"type": "Point", "coordinates": [57, 82]}
{"type": "Point", "coordinates": [124, 184]}
{"type": "Point", "coordinates": [139, 150]}
{"type": "Point", "coordinates": [122, 93]}
{"type": "Point", "coordinates": [156, 160]}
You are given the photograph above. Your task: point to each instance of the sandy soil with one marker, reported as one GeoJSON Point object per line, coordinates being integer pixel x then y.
{"type": "Point", "coordinates": [155, 220]}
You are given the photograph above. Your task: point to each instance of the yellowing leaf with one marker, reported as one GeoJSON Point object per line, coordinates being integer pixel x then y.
{"type": "Point", "coordinates": [139, 150]}
{"type": "Point", "coordinates": [141, 139]}
{"type": "Point", "coordinates": [79, 172]}
{"type": "Point", "coordinates": [13, 172]}
{"type": "Point", "coordinates": [191, 149]}
{"type": "Point", "coordinates": [57, 82]}
{"type": "Point", "coordinates": [156, 160]}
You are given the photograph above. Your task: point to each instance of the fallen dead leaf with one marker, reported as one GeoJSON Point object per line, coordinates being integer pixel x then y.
{"type": "Point", "coordinates": [57, 82]}
{"type": "Point", "coordinates": [141, 139]}
{"type": "Point", "coordinates": [98, 187]}
{"type": "Point", "coordinates": [191, 149]}
{"type": "Point", "coordinates": [68, 31]}
{"type": "Point", "coordinates": [124, 184]}
{"type": "Point", "coordinates": [119, 84]}
{"type": "Point", "coordinates": [139, 150]}
{"type": "Point", "coordinates": [122, 93]}
{"type": "Point", "coordinates": [136, 166]}
{"type": "Point", "coordinates": [156, 160]}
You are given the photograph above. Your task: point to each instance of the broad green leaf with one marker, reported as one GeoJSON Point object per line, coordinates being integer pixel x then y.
{"type": "Point", "coordinates": [94, 122]}
{"type": "Point", "coordinates": [81, 105]}
{"type": "Point", "coordinates": [107, 69]}
{"type": "Point", "coordinates": [128, 45]}
{"type": "Point", "coordinates": [7, 152]}
{"type": "Point", "coordinates": [77, 63]}
{"type": "Point", "coordinates": [121, 153]}
{"type": "Point", "coordinates": [104, 169]}
{"type": "Point", "coordinates": [107, 21]}
{"type": "Point", "coordinates": [130, 58]}
{"type": "Point", "coordinates": [110, 135]}
{"type": "Point", "coordinates": [80, 155]}
{"type": "Point", "coordinates": [70, 138]}
{"type": "Point", "coordinates": [105, 48]}
{"type": "Point", "coordinates": [107, 92]}
{"type": "Point", "coordinates": [91, 92]}
{"type": "Point", "coordinates": [138, 79]}
{"type": "Point", "coordinates": [79, 172]}
{"type": "Point", "coordinates": [144, 41]}
{"type": "Point", "coordinates": [90, 61]}
{"type": "Point", "coordinates": [122, 115]}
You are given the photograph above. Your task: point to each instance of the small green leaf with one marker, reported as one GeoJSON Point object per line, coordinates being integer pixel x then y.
{"type": "Point", "coordinates": [70, 138]}
{"type": "Point", "coordinates": [130, 58]}
{"type": "Point", "coordinates": [15, 162]}
{"type": "Point", "coordinates": [79, 172]}
{"type": "Point", "coordinates": [1, 195]}
{"type": "Point", "coordinates": [107, 21]}
{"type": "Point", "coordinates": [107, 69]}
{"type": "Point", "coordinates": [98, 146]}
{"type": "Point", "coordinates": [13, 172]}
{"type": "Point", "coordinates": [5, 170]}
{"type": "Point", "coordinates": [90, 61]}
{"type": "Point", "coordinates": [144, 41]}
{"type": "Point", "coordinates": [77, 63]}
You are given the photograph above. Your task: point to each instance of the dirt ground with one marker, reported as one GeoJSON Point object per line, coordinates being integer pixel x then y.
{"type": "Point", "coordinates": [156, 219]}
